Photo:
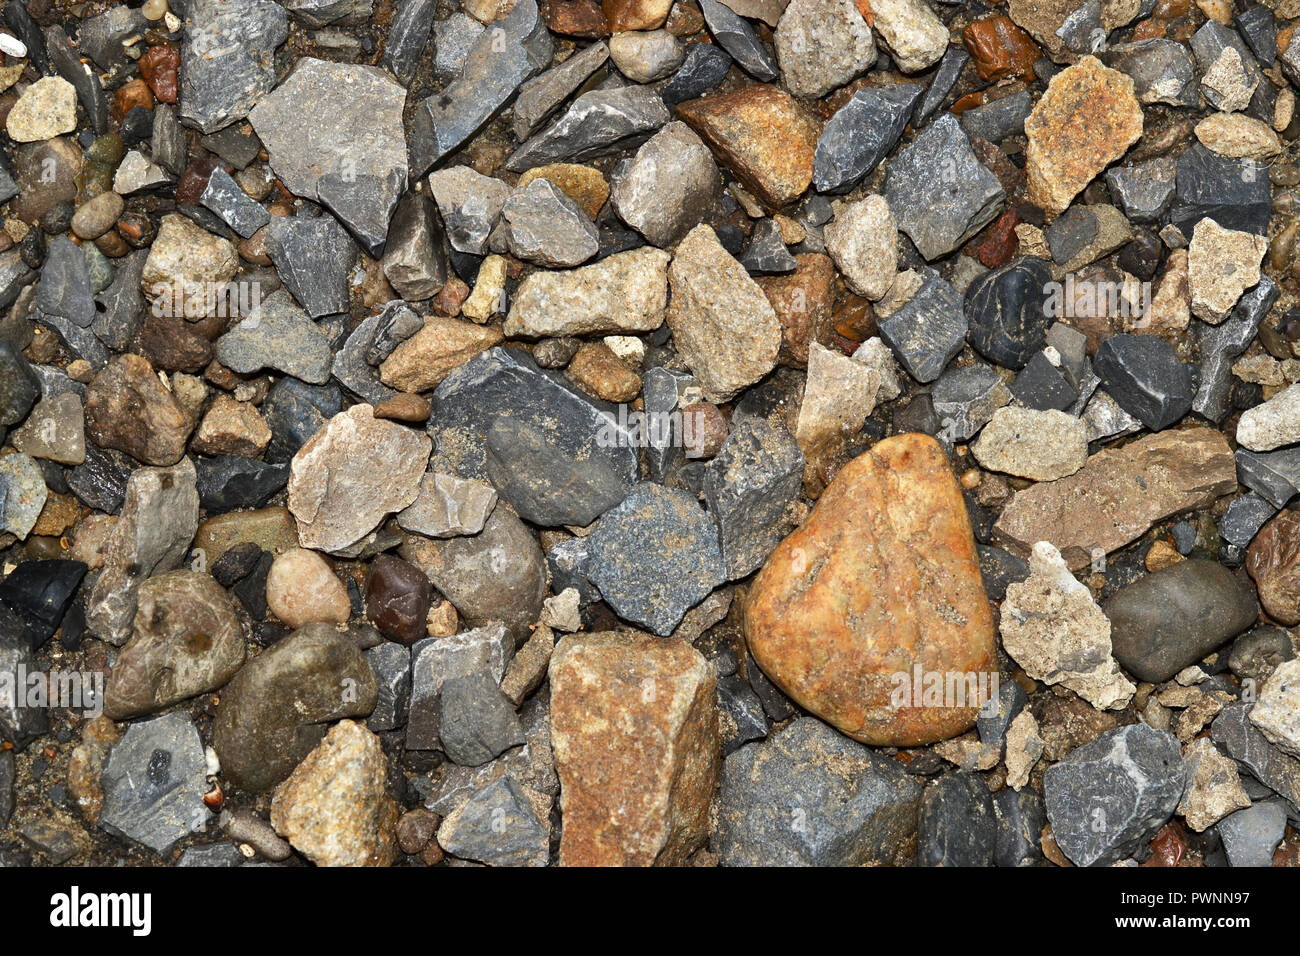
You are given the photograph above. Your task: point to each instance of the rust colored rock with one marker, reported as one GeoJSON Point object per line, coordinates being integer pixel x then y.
{"type": "Point", "coordinates": [1273, 560]}
{"type": "Point", "coordinates": [855, 319]}
{"type": "Point", "coordinates": [1001, 243]}
{"type": "Point", "coordinates": [636, 14]}
{"type": "Point", "coordinates": [1119, 494]}
{"type": "Point", "coordinates": [881, 580]}
{"type": "Point", "coordinates": [707, 429]}
{"type": "Point", "coordinates": [599, 372]}
{"type": "Point", "coordinates": [159, 66]}
{"type": "Point", "coordinates": [998, 49]}
{"type": "Point", "coordinates": [451, 297]}
{"type": "Point", "coordinates": [634, 730]}
{"type": "Point", "coordinates": [575, 18]}
{"type": "Point", "coordinates": [762, 136]}
{"type": "Point", "coordinates": [1087, 119]}
{"type": "Point", "coordinates": [398, 596]}
{"type": "Point", "coordinates": [129, 409]}
{"type": "Point", "coordinates": [404, 407]}
{"type": "Point", "coordinates": [129, 96]}
{"type": "Point", "coordinates": [803, 302]}
{"type": "Point", "coordinates": [433, 353]}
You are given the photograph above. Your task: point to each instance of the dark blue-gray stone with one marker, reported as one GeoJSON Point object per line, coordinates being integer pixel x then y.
{"type": "Point", "coordinates": [1243, 519]}
{"type": "Point", "coordinates": [995, 717]}
{"type": "Point", "coordinates": [237, 209]}
{"type": "Point", "coordinates": [765, 253]}
{"type": "Point", "coordinates": [1020, 818]}
{"type": "Point", "coordinates": [1218, 346]}
{"type": "Point", "coordinates": [737, 700]}
{"type": "Point", "coordinates": [228, 59]}
{"type": "Point", "coordinates": [1143, 191]}
{"type": "Point", "coordinates": [570, 566]}
{"type": "Point", "coordinates": [655, 556]}
{"type": "Point", "coordinates": [39, 592]}
{"type": "Point", "coordinates": [478, 721]}
{"type": "Point", "coordinates": [735, 35]}
{"type": "Point", "coordinates": [997, 120]}
{"type": "Point", "coordinates": [1007, 311]}
{"type": "Point", "coordinates": [1235, 193]}
{"type": "Point", "coordinates": [294, 411]}
{"type": "Point", "coordinates": [314, 258]}
{"type": "Point", "coordinates": [19, 723]}
{"type": "Point", "coordinates": [701, 72]}
{"type": "Point", "coordinates": [100, 480]}
{"type": "Point", "coordinates": [391, 664]}
{"type": "Point", "coordinates": [1251, 835]}
{"type": "Point", "coordinates": [1274, 475]}
{"type": "Point", "coordinates": [1042, 386]}
{"type": "Point", "coordinates": [121, 307]}
{"type": "Point", "coordinates": [64, 289]}
{"type": "Point", "coordinates": [928, 331]}
{"type": "Point", "coordinates": [1258, 28]}
{"type": "Point", "coordinates": [1233, 732]}
{"type": "Point", "coordinates": [230, 482]}
{"type": "Point", "coordinates": [19, 387]}
{"type": "Point", "coordinates": [600, 122]}
{"type": "Point", "coordinates": [407, 37]}
{"type": "Point", "coordinates": [1146, 379]}
{"type": "Point", "coordinates": [956, 825]}
{"type": "Point", "coordinates": [1109, 797]}
{"type": "Point", "coordinates": [90, 92]}
{"type": "Point", "coordinates": [945, 76]}
{"type": "Point", "coordinates": [860, 134]}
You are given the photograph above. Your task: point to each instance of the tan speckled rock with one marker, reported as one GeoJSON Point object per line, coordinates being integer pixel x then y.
{"type": "Point", "coordinates": [1272, 424]}
{"type": "Point", "coordinates": [231, 428]}
{"type": "Point", "coordinates": [915, 37]}
{"type": "Point", "coordinates": [44, 110]}
{"type": "Point", "coordinates": [301, 588]}
{"type": "Point", "coordinates": [1213, 786]}
{"type": "Point", "coordinates": [1042, 445]}
{"type": "Point", "coordinates": [636, 805]}
{"type": "Point", "coordinates": [1221, 265]}
{"type": "Point", "coordinates": [838, 395]}
{"type": "Point", "coordinates": [725, 329]}
{"type": "Point", "coordinates": [627, 292]}
{"type": "Point", "coordinates": [1277, 712]}
{"type": "Point", "coordinates": [335, 808]}
{"type": "Point", "coordinates": [881, 579]}
{"type": "Point", "coordinates": [1119, 494]}
{"type": "Point", "coordinates": [489, 295]}
{"type": "Point", "coordinates": [353, 472]}
{"type": "Point", "coordinates": [187, 266]}
{"type": "Point", "coordinates": [1087, 119]}
{"type": "Point", "coordinates": [863, 241]}
{"type": "Point", "coordinates": [1238, 136]}
{"type": "Point", "coordinates": [431, 354]}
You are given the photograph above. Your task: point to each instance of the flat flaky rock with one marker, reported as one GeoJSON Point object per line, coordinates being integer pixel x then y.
{"type": "Point", "coordinates": [1085, 121]}
{"type": "Point", "coordinates": [633, 805]}
{"type": "Point", "coordinates": [880, 585]}
{"type": "Point", "coordinates": [1119, 494]}
{"type": "Point", "coordinates": [351, 474]}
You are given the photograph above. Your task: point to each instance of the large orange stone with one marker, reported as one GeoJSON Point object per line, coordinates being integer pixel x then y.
{"type": "Point", "coordinates": [881, 579]}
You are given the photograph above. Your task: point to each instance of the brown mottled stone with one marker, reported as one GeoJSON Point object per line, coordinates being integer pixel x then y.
{"type": "Point", "coordinates": [1085, 121]}
{"type": "Point", "coordinates": [575, 18]}
{"type": "Point", "coordinates": [430, 355]}
{"type": "Point", "coordinates": [1273, 560]}
{"type": "Point", "coordinates": [271, 529]}
{"type": "Point", "coordinates": [881, 578]}
{"type": "Point", "coordinates": [129, 409]}
{"type": "Point", "coordinates": [1119, 494]}
{"type": "Point", "coordinates": [634, 729]}
{"type": "Point", "coordinates": [804, 302]}
{"type": "Point", "coordinates": [636, 14]}
{"type": "Point", "coordinates": [599, 372]}
{"type": "Point", "coordinates": [762, 136]}
{"type": "Point", "coordinates": [999, 49]}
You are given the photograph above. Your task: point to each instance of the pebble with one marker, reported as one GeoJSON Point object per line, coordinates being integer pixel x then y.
{"type": "Point", "coordinates": [914, 36]}
{"type": "Point", "coordinates": [822, 45]}
{"type": "Point", "coordinates": [941, 212]}
{"type": "Point", "coordinates": [724, 327]}
{"type": "Point", "coordinates": [852, 806]}
{"type": "Point", "coordinates": [965, 398]}
{"type": "Point", "coordinates": [1041, 445]}
{"type": "Point", "coordinates": [19, 387]}
{"type": "Point", "coordinates": [644, 56]}
{"type": "Point", "coordinates": [98, 215]}
{"type": "Point", "coordinates": [1222, 264]}
{"type": "Point", "coordinates": [186, 265]}
{"type": "Point", "coordinates": [642, 805]}
{"type": "Point", "coordinates": [334, 808]}
{"type": "Point", "coordinates": [1238, 136]}
{"type": "Point", "coordinates": [301, 588]}
{"type": "Point", "coordinates": [1118, 495]}
{"type": "Point", "coordinates": [127, 408]}
{"type": "Point", "coordinates": [668, 187]}
{"type": "Point", "coordinates": [701, 72]}
{"type": "Point", "coordinates": [314, 259]}
{"type": "Point", "coordinates": [154, 783]}
{"type": "Point", "coordinates": [956, 825]}
{"type": "Point", "coordinates": [839, 394]}
{"type": "Point", "coordinates": [1052, 627]}
{"type": "Point", "coordinates": [351, 474]}
{"type": "Point", "coordinates": [275, 710]}
{"type": "Point", "coordinates": [1007, 309]}
{"type": "Point", "coordinates": [1021, 819]}
{"type": "Point", "coordinates": [1143, 375]}
{"type": "Point", "coordinates": [1065, 152]}
{"type": "Point", "coordinates": [158, 520]}
{"type": "Point", "coordinates": [856, 654]}
{"type": "Point", "coordinates": [863, 241]}
{"type": "Point", "coordinates": [1109, 797]}
{"type": "Point", "coordinates": [1272, 424]}
{"type": "Point", "coordinates": [397, 596]}
{"type": "Point", "coordinates": [1172, 619]}
{"type": "Point", "coordinates": [46, 109]}
{"type": "Point", "coordinates": [447, 506]}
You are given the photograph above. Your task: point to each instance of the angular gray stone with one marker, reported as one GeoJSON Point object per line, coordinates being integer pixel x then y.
{"type": "Point", "coordinates": [228, 59]}
{"type": "Point", "coordinates": [1218, 346]}
{"type": "Point", "coordinates": [407, 37]}
{"type": "Point", "coordinates": [415, 253]}
{"type": "Point", "coordinates": [734, 34]}
{"type": "Point", "coordinates": [809, 796]}
{"type": "Point", "coordinates": [600, 122]}
{"type": "Point", "coordinates": [1275, 475]}
{"type": "Point", "coordinates": [655, 556]}
{"type": "Point", "coordinates": [19, 722]}
{"type": "Point", "coordinates": [516, 48]}
{"type": "Point", "coordinates": [469, 204]}
{"type": "Point", "coordinates": [766, 253]}
{"type": "Point", "coordinates": [453, 39]}
{"type": "Point", "coordinates": [862, 133]}
{"type": "Point", "coordinates": [1243, 742]}
{"type": "Point", "coordinates": [1109, 797]}
{"type": "Point", "coordinates": [64, 289]}
{"type": "Point", "coordinates": [237, 209]}
{"type": "Point", "coordinates": [544, 226]}
{"type": "Point", "coordinates": [965, 399]}
{"type": "Point", "coordinates": [497, 826]}
{"type": "Point", "coordinates": [154, 783]}
{"type": "Point", "coordinates": [1020, 819]}
{"type": "Point", "coordinates": [669, 186]}
{"type": "Point", "coordinates": [1251, 835]}
{"type": "Point", "coordinates": [1161, 70]}
{"type": "Point", "coordinates": [478, 721]}
{"type": "Point", "coordinates": [956, 825]}
{"type": "Point", "coordinates": [928, 331]}
{"type": "Point", "coordinates": [939, 192]}
{"type": "Point", "coordinates": [748, 485]}
{"type": "Point", "coordinates": [6, 787]}
{"type": "Point", "coordinates": [391, 664]}
{"type": "Point", "coordinates": [277, 335]}
{"type": "Point", "coordinates": [997, 120]}
{"type": "Point", "coordinates": [1144, 190]}
{"type": "Point", "coordinates": [314, 259]}
{"type": "Point", "coordinates": [1143, 374]}
{"type": "Point", "coordinates": [434, 661]}
{"type": "Point", "coordinates": [121, 306]}
{"type": "Point", "coordinates": [541, 96]}
{"type": "Point", "coordinates": [1243, 519]}
{"type": "Point", "coordinates": [353, 367]}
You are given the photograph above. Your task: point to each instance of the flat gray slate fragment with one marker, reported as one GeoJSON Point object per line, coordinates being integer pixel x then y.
{"type": "Point", "coordinates": [228, 59]}
{"type": "Point", "coordinates": [541, 96]}
{"type": "Point", "coordinates": [1243, 519]}
{"type": "Point", "coordinates": [478, 721]}
{"type": "Point", "coordinates": [747, 488]}
{"type": "Point", "coordinates": [956, 825]}
{"type": "Point", "coordinates": [1275, 475]}
{"type": "Point", "coordinates": [497, 826]}
{"type": "Point", "coordinates": [1020, 825]}
{"type": "Point", "coordinates": [766, 253]}
{"type": "Point", "coordinates": [277, 335]}
{"type": "Point", "coordinates": [655, 556]}
{"type": "Point", "coordinates": [1251, 835]}
{"type": "Point", "coordinates": [18, 722]}
{"type": "Point", "coordinates": [997, 120]}
{"type": "Point", "coordinates": [1218, 346]}
{"type": "Point", "coordinates": [928, 332]}
{"type": "Point", "coordinates": [1161, 70]}
{"type": "Point", "coordinates": [954, 60]}
{"type": "Point", "coordinates": [407, 37]}
{"type": "Point", "coordinates": [939, 192]}
{"type": "Point", "coordinates": [1243, 742]}
{"type": "Point", "coordinates": [1143, 191]}
{"type": "Point", "coordinates": [580, 435]}
{"type": "Point", "coordinates": [364, 203]}
{"type": "Point", "coordinates": [435, 660]}
{"type": "Point", "coordinates": [90, 92]}
{"type": "Point", "coordinates": [238, 146]}
{"type": "Point", "coordinates": [1109, 797]}
{"type": "Point", "coordinates": [168, 147]}
{"type": "Point", "coordinates": [64, 289]}
{"type": "Point", "coordinates": [238, 210]}
{"type": "Point", "coordinates": [862, 133]}
{"type": "Point", "coordinates": [516, 48]}
{"type": "Point", "coordinates": [453, 38]}
{"type": "Point", "coordinates": [737, 37]}
{"type": "Point", "coordinates": [320, 13]}
{"type": "Point", "coordinates": [598, 123]}
{"type": "Point", "coordinates": [809, 796]}
{"type": "Point", "coordinates": [122, 303]}
{"type": "Point", "coordinates": [314, 258]}
{"type": "Point", "coordinates": [391, 663]}
{"type": "Point", "coordinates": [1144, 376]}
{"type": "Point", "coordinates": [965, 399]}
{"type": "Point", "coordinates": [352, 364]}
{"type": "Point", "coordinates": [154, 783]}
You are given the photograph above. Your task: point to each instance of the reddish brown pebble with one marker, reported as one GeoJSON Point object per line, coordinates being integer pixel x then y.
{"type": "Point", "coordinates": [404, 407]}
{"type": "Point", "coordinates": [397, 598]}
{"type": "Point", "coordinates": [803, 301]}
{"type": "Point", "coordinates": [415, 829]}
{"type": "Point", "coordinates": [132, 94]}
{"type": "Point", "coordinates": [704, 429]}
{"type": "Point", "coordinates": [999, 49]}
{"type": "Point", "coordinates": [450, 298]}
{"type": "Point", "coordinates": [575, 18]}
{"type": "Point", "coordinates": [159, 66]}
{"type": "Point", "coordinates": [1001, 243]}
